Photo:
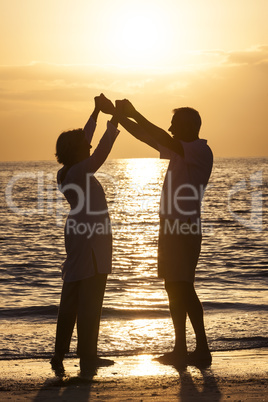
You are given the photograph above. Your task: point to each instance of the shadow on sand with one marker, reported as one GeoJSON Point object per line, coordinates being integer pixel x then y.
{"type": "Point", "coordinates": [204, 388]}
{"type": "Point", "coordinates": [65, 389]}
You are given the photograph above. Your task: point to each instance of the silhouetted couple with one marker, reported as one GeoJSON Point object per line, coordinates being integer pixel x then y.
{"type": "Point", "coordinates": [89, 251]}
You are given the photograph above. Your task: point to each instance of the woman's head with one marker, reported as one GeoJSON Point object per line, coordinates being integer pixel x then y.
{"type": "Point", "coordinates": [72, 147]}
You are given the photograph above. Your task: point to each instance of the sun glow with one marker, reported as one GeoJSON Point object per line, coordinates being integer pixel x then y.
{"type": "Point", "coordinates": [141, 36]}
{"type": "Point", "coordinates": [145, 366]}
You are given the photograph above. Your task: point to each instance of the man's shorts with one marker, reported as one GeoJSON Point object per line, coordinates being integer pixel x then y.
{"type": "Point", "coordinates": [179, 247]}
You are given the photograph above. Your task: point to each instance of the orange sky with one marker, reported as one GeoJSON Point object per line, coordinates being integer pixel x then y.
{"type": "Point", "coordinates": [55, 56]}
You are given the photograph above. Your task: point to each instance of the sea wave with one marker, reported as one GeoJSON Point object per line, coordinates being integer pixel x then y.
{"type": "Point", "coordinates": [158, 311]}
{"type": "Point", "coordinates": [221, 344]}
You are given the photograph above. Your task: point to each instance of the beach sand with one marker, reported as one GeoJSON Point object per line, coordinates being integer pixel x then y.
{"type": "Point", "coordinates": [239, 375]}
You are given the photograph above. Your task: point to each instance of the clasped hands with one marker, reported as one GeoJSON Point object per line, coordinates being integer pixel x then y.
{"type": "Point", "coordinates": [122, 107]}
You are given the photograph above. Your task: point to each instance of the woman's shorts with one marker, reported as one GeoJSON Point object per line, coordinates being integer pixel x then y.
{"type": "Point", "coordinates": [179, 247]}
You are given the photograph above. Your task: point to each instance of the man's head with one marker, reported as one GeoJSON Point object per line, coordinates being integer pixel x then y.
{"type": "Point", "coordinates": [72, 147]}
{"type": "Point", "coordinates": [185, 124]}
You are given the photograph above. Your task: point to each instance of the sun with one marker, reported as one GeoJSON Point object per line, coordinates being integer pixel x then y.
{"type": "Point", "coordinates": [141, 34]}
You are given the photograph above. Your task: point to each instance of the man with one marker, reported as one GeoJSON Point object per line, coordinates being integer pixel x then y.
{"type": "Point", "coordinates": [180, 236]}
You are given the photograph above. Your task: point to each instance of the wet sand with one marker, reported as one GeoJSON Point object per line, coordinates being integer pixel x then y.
{"type": "Point", "coordinates": [234, 376]}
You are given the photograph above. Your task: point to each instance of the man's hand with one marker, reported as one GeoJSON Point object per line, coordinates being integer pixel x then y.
{"type": "Point", "coordinates": [104, 104]}
{"type": "Point", "coordinates": [119, 106]}
{"type": "Point", "coordinates": [125, 107]}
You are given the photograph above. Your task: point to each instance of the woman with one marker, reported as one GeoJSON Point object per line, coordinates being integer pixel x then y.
{"type": "Point", "coordinates": [88, 239]}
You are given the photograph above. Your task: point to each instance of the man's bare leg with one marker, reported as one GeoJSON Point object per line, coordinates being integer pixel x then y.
{"type": "Point", "coordinates": [195, 312]}
{"type": "Point", "coordinates": [178, 312]}
{"type": "Point", "coordinates": [182, 300]}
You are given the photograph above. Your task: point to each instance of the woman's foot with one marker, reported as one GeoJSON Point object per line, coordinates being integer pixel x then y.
{"type": "Point", "coordinates": [88, 366]}
{"type": "Point", "coordinates": [57, 365]}
{"type": "Point", "coordinates": [199, 359]}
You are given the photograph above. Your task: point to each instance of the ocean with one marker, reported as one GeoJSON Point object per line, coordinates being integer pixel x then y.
{"type": "Point", "coordinates": [231, 277]}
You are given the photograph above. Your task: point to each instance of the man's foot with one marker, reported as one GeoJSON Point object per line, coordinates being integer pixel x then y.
{"type": "Point", "coordinates": [199, 359]}
{"type": "Point", "coordinates": [174, 359]}
{"type": "Point", "coordinates": [57, 366]}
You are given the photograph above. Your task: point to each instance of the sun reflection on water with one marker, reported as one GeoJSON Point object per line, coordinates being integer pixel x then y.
{"type": "Point", "coordinates": [145, 172]}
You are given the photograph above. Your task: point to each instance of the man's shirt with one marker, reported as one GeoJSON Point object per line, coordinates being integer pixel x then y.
{"type": "Point", "coordinates": [185, 180]}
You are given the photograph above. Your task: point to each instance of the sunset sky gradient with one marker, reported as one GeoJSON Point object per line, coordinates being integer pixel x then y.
{"type": "Point", "coordinates": [56, 55]}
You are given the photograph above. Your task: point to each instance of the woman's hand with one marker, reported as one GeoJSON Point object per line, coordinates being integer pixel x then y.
{"type": "Point", "coordinates": [104, 104]}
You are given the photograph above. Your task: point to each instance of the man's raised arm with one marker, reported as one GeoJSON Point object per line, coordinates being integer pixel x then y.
{"type": "Point", "coordinates": [133, 128]}
{"type": "Point", "coordinates": [143, 129]}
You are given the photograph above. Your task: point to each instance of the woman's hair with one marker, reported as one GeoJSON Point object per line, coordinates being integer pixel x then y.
{"type": "Point", "coordinates": [67, 146]}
